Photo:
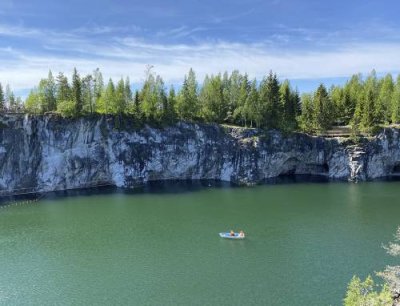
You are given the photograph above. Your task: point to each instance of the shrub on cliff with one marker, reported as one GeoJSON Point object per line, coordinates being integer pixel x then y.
{"type": "Point", "coordinates": [363, 293]}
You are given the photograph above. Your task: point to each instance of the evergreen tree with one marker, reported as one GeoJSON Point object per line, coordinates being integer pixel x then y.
{"type": "Point", "coordinates": [306, 119]}
{"type": "Point", "coordinates": [368, 119]}
{"type": "Point", "coordinates": [395, 113]}
{"type": "Point", "coordinates": [63, 90]}
{"type": "Point", "coordinates": [187, 106]}
{"type": "Point", "coordinates": [128, 92]}
{"type": "Point", "coordinates": [2, 100]}
{"type": "Point", "coordinates": [270, 101]}
{"type": "Point", "coordinates": [239, 113]}
{"type": "Point", "coordinates": [383, 103]}
{"type": "Point", "coordinates": [10, 99]}
{"type": "Point", "coordinates": [322, 109]}
{"type": "Point", "coordinates": [170, 114]}
{"type": "Point", "coordinates": [50, 93]}
{"type": "Point", "coordinates": [106, 100]}
{"type": "Point", "coordinates": [149, 98]}
{"type": "Point", "coordinates": [212, 100]}
{"type": "Point", "coordinates": [88, 94]}
{"type": "Point", "coordinates": [288, 106]}
{"type": "Point", "coordinates": [137, 109]}
{"type": "Point", "coordinates": [77, 92]}
{"type": "Point", "coordinates": [120, 100]}
{"type": "Point", "coordinates": [98, 84]}
{"type": "Point", "coordinates": [252, 108]}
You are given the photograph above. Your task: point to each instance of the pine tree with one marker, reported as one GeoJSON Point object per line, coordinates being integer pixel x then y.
{"type": "Point", "coordinates": [2, 100]}
{"type": "Point", "coordinates": [10, 99]}
{"type": "Point", "coordinates": [170, 114]}
{"type": "Point", "coordinates": [383, 103]}
{"type": "Point", "coordinates": [187, 103]}
{"type": "Point", "coordinates": [63, 90]}
{"type": "Point", "coordinates": [88, 94]}
{"type": "Point", "coordinates": [306, 119]}
{"type": "Point", "coordinates": [239, 112]}
{"type": "Point", "coordinates": [288, 106]}
{"type": "Point", "coordinates": [128, 92]}
{"type": "Point", "coordinates": [270, 101]}
{"type": "Point", "coordinates": [322, 109]}
{"type": "Point", "coordinates": [252, 106]}
{"type": "Point", "coordinates": [77, 92]}
{"type": "Point", "coordinates": [120, 99]}
{"type": "Point", "coordinates": [98, 84]}
{"type": "Point", "coordinates": [395, 107]}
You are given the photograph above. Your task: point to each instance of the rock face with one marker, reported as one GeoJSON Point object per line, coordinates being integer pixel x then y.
{"type": "Point", "coordinates": [47, 153]}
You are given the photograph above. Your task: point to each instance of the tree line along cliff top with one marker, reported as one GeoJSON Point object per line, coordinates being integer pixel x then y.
{"type": "Point", "coordinates": [361, 104]}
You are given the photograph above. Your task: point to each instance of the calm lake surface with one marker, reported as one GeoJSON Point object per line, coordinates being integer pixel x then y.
{"type": "Point", "coordinates": [304, 243]}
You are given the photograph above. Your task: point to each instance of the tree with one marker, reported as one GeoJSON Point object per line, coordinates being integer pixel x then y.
{"type": "Point", "coordinates": [120, 100]}
{"type": "Point", "coordinates": [32, 103]}
{"type": "Point", "coordinates": [395, 112]}
{"type": "Point", "coordinates": [322, 109]}
{"type": "Point", "coordinates": [63, 90]}
{"type": "Point", "coordinates": [10, 99]}
{"type": "Point", "coordinates": [239, 114]}
{"type": "Point", "coordinates": [187, 106]}
{"type": "Point", "coordinates": [170, 114]}
{"type": "Point", "coordinates": [2, 100]}
{"type": "Point", "coordinates": [288, 106]}
{"type": "Point", "coordinates": [391, 274]}
{"type": "Point", "coordinates": [368, 120]}
{"type": "Point", "coordinates": [128, 92]}
{"type": "Point", "coordinates": [231, 93]}
{"type": "Point", "coordinates": [88, 97]}
{"type": "Point", "coordinates": [252, 106]}
{"type": "Point", "coordinates": [46, 94]}
{"type": "Point", "coordinates": [106, 100]}
{"type": "Point", "coordinates": [213, 108]}
{"type": "Point", "coordinates": [77, 92]}
{"type": "Point", "coordinates": [383, 103]}
{"type": "Point", "coordinates": [363, 293]}
{"type": "Point", "coordinates": [136, 106]}
{"type": "Point", "coordinates": [306, 119]}
{"type": "Point", "coordinates": [270, 101]}
{"type": "Point", "coordinates": [98, 84]}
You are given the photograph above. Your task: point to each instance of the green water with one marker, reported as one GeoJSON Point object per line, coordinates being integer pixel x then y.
{"type": "Point", "coordinates": [304, 242]}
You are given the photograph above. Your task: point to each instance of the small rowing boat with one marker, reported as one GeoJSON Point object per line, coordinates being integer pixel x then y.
{"type": "Point", "coordinates": [229, 236]}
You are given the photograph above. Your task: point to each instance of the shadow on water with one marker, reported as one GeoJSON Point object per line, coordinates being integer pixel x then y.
{"type": "Point", "coordinates": [173, 187]}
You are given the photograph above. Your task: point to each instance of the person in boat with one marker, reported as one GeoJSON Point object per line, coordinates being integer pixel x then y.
{"type": "Point", "coordinates": [231, 233]}
{"type": "Point", "coordinates": [241, 234]}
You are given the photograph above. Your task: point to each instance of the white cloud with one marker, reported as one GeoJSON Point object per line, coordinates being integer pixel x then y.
{"type": "Point", "coordinates": [128, 56]}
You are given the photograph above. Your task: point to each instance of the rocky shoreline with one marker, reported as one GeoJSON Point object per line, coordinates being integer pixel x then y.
{"type": "Point", "coordinates": [49, 153]}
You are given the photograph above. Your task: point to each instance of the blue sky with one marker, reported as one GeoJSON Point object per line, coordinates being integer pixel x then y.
{"type": "Point", "coordinates": [305, 41]}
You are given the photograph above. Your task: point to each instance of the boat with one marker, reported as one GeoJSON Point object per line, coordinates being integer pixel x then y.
{"type": "Point", "coordinates": [228, 236]}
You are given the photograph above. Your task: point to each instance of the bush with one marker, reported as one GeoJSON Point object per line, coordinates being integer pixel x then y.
{"type": "Point", "coordinates": [66, 108]}
{"type": "Point", "coordinates": [363, 293]}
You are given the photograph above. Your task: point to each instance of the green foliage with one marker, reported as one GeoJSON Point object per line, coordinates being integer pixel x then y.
{"type": "Point", "coordinates": [306, 119]}
{"type": "Point", "coordinates": [363, 293]}
{"type": "Point", "coordinates": [77, 92]}
{"type": "Point", "coordinates": [33, 104]}
{"type": "Point", "coordinates": [269, 103]}
{"type": "Point", "coordinates": [323, 110]}
{"type": "Point", "coordinates": [187, 106]}
{"type": "Point", "coordinates": [222, 98]}
{"type": "Point", "coordinates": [252, 107]}
{"type": "Point", "coordinates": [67, 108]}
{"type": "Point", "coordinates": [2, 100]}
{"type": "Point", "coordinates": [214, 108]}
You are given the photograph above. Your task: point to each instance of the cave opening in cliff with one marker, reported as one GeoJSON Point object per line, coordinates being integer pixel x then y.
{"type": "Point", "coordinates": [396, 169]}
